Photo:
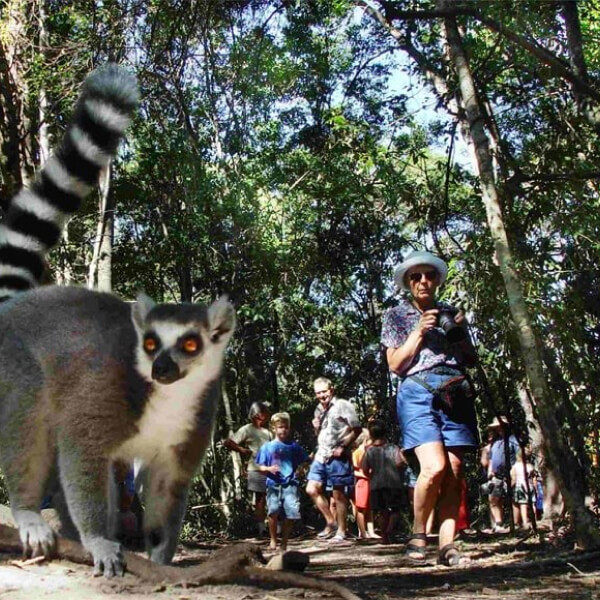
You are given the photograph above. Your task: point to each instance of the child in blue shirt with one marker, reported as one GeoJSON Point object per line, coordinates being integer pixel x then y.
{"type": "Point", "coordinates": [279, 459]}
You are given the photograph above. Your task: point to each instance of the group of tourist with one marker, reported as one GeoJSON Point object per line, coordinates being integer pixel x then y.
{"type": "Point", "coordinates": [427, 344]}
{"type": "Point", "coordinates": [505, 461]}
{"type": "Point", "coordinates": [346, 456]}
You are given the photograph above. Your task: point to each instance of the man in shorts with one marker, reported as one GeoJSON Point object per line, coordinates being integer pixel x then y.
{"type": "Point", "coordinates": [332, 465]}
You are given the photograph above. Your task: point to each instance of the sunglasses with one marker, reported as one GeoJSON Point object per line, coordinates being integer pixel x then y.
{"type": "Point", "coordinates": [416, 276]}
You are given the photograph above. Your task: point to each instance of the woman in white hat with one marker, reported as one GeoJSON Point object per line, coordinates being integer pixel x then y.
{"type": "Point", "coordinates": [420, 352]}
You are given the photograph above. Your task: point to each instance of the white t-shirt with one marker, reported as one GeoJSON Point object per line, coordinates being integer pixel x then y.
{"type": "Point", "coordinates": [337, 421]}
{"type": "Point", "coordinates": [252, 438]}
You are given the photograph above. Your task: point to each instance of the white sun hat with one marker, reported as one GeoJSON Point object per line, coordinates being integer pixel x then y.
{"type": "Point", "coordinates": [419, 258]}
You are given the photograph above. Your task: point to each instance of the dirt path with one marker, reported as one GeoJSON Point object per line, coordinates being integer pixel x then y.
{"type": "Point", "coordinates": [502, 567]}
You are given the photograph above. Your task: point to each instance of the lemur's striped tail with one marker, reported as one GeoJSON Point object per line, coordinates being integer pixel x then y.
{"type": "Point", "coordinates": [36, 217]}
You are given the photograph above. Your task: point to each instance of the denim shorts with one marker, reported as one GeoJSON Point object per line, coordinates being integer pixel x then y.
{"type": "Point", "coordinates": [336, 473]}
{"type": "Point", "coordinates": [422, 421]}
{"type": "Point", "coordinates": [283, 499]}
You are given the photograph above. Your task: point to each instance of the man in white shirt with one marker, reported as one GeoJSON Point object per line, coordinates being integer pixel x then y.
{"type": "Point", "coordinates": [337, 426]}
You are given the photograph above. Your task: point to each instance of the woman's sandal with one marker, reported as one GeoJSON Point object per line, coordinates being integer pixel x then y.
{"type": "Point", "coordinates": [450, 556]}
{"type": "Point", "coordinates": [414, 553]}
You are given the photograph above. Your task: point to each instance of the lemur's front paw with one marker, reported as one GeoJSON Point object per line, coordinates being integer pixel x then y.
{"type": "Point", "coordinates": [108, 557]}
{"type": "Point", "coordinates": [36, 535]}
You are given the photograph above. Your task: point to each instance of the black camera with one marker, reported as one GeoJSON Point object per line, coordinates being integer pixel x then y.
{"type": "Point", "coordinates": [455, 333]}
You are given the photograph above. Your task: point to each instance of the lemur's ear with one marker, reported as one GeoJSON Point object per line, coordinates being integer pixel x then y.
{"type": "Point", "coordinates": [221, 320]}
{"type": "Point", "coordinates": [140, 309]}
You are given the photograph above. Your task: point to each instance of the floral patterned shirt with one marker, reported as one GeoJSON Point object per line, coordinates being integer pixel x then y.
{"type": "Point", "coordinates": [399, 322]}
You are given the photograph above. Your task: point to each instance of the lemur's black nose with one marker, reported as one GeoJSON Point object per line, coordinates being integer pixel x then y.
{"type": "Point", "coordinates": [165, 369]}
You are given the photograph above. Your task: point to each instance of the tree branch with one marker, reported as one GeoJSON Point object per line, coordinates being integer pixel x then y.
{"type": "Point", "coordinates": [556, 65]}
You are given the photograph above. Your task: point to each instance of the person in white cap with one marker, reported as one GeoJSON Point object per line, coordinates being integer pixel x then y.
{"type": "Point", "coordinates": [427, 343]}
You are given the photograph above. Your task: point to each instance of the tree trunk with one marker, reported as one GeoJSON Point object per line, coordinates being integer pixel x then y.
{"type": "Point", "coordinates": [564, 463]}
{"type": "Point", "coordinates": [13, 92]}
{"type": "Point", "coordinates": [237, 462]}
{"type": "Point", "coordinates": [106, 240]}
{"type": "Point", "coordinates": [44, 143]}
{"type": "Point", "coordinates": [589, 108]}
{"type": "Point", "coordinates": [99, 271]}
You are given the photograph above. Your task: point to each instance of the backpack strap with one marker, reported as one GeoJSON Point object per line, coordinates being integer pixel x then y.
{"type": "Point", "coordinates": [423, 383]}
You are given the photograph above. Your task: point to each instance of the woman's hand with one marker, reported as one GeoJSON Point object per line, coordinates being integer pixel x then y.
{"type": "Point", "coordinates": [427, 321]}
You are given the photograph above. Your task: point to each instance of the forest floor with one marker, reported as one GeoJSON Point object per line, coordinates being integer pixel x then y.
{"type": "Point", "coordinates": [503, 566]}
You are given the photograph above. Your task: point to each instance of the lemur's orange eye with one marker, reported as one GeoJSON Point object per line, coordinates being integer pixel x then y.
{"type": "Point", "coordinates": [150, 344]}
{"type": "Point", "coordinates": [190, 345]}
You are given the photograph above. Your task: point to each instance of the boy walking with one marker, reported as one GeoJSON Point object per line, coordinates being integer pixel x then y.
{"type": "Point", "coordinates": [384, 465]}
{"type": "Point", "coordinates": [279, 459]}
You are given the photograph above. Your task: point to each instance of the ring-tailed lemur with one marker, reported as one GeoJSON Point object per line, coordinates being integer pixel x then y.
{"type": "Point", "coordinates": [86, 379]}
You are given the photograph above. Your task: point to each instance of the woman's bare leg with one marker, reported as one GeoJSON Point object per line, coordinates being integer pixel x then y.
{"type": "Point", "coordinates": [432, 461]}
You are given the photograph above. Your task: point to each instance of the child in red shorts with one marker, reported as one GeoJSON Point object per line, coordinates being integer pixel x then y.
{"type": "Point", "coordinates": [364, 520]}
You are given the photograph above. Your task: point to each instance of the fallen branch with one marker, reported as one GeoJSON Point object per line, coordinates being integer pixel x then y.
{"type": "Point", "coordinates": [233, 564]}
{"type": "Point", "coordinates": [27, 563]}
{"type": "Point", "coordinates": [579, 572]}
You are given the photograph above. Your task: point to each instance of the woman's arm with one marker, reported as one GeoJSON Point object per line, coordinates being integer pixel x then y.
{"type": "Point", "coordinates": [400, 359]}
{"type": "Point", "coordinates": [231, 445]}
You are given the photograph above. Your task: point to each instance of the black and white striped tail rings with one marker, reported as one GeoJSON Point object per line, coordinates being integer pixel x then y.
{"type": "Point", "coordinates": [37, 216]}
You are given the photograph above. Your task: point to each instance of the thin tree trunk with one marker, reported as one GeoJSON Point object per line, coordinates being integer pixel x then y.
{"type": "Point", "coordinates": [237, 462]}
{"type": "Point", "coordinates": [106, 240]}
{"type": "Point", "coordinates": [44, 139]}
{"type": "Point", "coordinates": [100, 264]}
{"type": "Point", "coordinates": [588, 107]}
{"type": "Point", "coordinates": [553, 503]}
{"type": "Point", "coordinates": [564, 463]}
{"type": "Point", "coordinates": [13, 92]}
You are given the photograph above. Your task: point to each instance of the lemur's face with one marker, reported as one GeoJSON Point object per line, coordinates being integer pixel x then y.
{"type": "Point", "coordinates": [173, 350]}
{"type": "Point", "coordinates": [176, 340]}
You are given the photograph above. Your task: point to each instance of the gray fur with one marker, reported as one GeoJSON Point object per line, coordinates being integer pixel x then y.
{"type": "Point", "coordinates": [71, 395]}
{"type": "Point", "coordinates": [79, 392]}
